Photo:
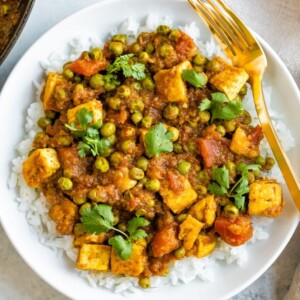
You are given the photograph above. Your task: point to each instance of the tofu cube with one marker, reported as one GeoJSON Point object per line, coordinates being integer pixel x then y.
{"type": "Point", "coordinates": [205, 210]}
{"type": "Point", "coordinates": [94, 106]}
{"type": "Point", "coordinates": [65, 214]}
{"type": "Point", "coordinates": [170, 84]}
{"type": "Point", "coordinates": [40, 166]}
{"type": "Point", "coordinates": [229, 80]}
{"type": "Point", "coordinates": [132, 266]}
{"type": "Point", "coordinates": [188, 231]}
{"type": "Point", "coordinates": [205, 245]}
{"type": "Point", "coordinates": [177, 201]}
{"type": "Point", "coordinates": [88, 238]}
{"type": "Point", "coordinates": [53, 80]}
{"type": "Point", "coordinates": [94, 257]}
{"type": "Point", "coordinates": [242, 144]}
{"type": "Point", "coordinates": [265, 198]}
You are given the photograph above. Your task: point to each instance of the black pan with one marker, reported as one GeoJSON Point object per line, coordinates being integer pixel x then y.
{"type": "Point", "coordinates": [25, 9]}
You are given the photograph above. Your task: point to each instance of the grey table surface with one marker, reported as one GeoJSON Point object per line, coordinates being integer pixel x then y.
{"type": "Point", "coordinates": [18, 281]}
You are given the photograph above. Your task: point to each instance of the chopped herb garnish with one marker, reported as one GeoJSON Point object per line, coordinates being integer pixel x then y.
{"type": "Point", "coordinates": [195, 79]}
{"type": "Point", "coordinates": [158, 140]}
{"type": "Point", "coordinates": [100, 219]}
{"type": "Point", "coordinates": [221, 108]}
{"type": "Point", "coordinates": [89, 133]}
{"type": "Point", "coordinates": [238, 190]}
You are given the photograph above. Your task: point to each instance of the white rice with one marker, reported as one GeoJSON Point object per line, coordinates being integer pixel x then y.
{"type": "Point", "coordinates": [35, 207]}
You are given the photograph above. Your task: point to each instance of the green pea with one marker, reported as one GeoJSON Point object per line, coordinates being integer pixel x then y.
{"type": "Point", "coordinates": [136, 86]}
{"type": "Point", "coordinates": [107, 152]}
{"type": "Point", "coordinates": [128, 146]}
{"type": "Point", "coordinates": [65, 140]}
{"type": "Point", "coordinates": [243, 90]}
{"type": "Point", "coordinates": [147, 122]}
{"type": "Point", "coordinates": [124, 91]}
{"type": "Point", "coordinates": [140, 212]}
{"type": "Point", "coordinates": [163, 29]}
{"type": "Point", "coordinates": [136, 173]}
{"type": "Point", "coordinates": [96, 53]}
{"type": "Point", "coordinates": [78, 229]}
{"type": "Point", "coordinates": [116, 158]}
{"type": "Point", "coordinates": [270, 162]}
{"type": "Point", "coordinates": [109, 86]}
{"type": "Point", "coordinates": [120, 38]}
{"type": "Point", "coordinates": [65, 183]}
{"type": "Point", "coordinates": [148, 84]}
{"type": "Point", "coordinates": [136, 105]}
{"type": "Point", "coordinates": [114, 103]}
{"type": "Point", "coordinates": [44, 122]}
{"type": "Point", "coordinates": [79, 200]}
{"type": "Point", "coordinates": [144, 283]}
{"type": "Point", "coordinates": [201, 189]}
{"type": "Point", "coordinates": [251, 177]}
{"type": "Point", "coordinates": [199, 59]}
{"type": "Point", "coordinates": [136, 118]}
{"type": "Point", "coordinates": [136, 48]}
{"type": "Point", "coordinates": [101, 164]}
{"type": "Point", "coordinates": [231, 167]}
{"type": "Point", "coordinates": [116, 47]}
{"type": "Point", "coordinates": [175, 133]}
{"type": "Point", "coordinates": [171, 112]}
{"type": "Point", "coordinates": [144, 57]}
{"type": "Point", "coordinates": [203, 175]}
{"type": "Point", "coordinates": [50, 114]}
{"type": "Point", "coordinates": [184, 167]}
{"type": "Point", "coordinates": [260, 160]}
{"type": "Point", "coordinates": [166, 50]}
{"type": "Point", "coordinates": [174, 35]}
{"type": "Point", "coordinates": [4, 9]}
{"type": "Point", "coordinates": [96, 81]}
{"type": "Point", "coordinates": [200, 69]}
{"type": "Point", "coordinates": [68, 74]}
{"type": "Point", "coordinates": [77, 78]}
{"type": "Point", "coordinates": [177, 148]}
{"type": "Point", "coordinates": [221, 130]}
{"type": "Point", "coordinates": [246, 117]}
{"type": "Point", "coordinates": [231, 211]}
{"type": "Point", "coordinates": [191, 147]}
{"type": "Point", "coordinates": [180, 253]}
{"type": "Point", "coordinates": [152, 185]}
{"type": "Point", "coordinates": [214, 66]}
{"type": "Point", "coordinates": [116, 220]}
{"type": "Point", "coordinates": [142, 163]}
{"type": "Point", "coordinates": [180, 218]}
{"type": "Point", "coordinates": [150, 48]}
{"type": "Point", "coordinates": [204, 116]}
{"type": "Point", "coordinates": [108, 129]}
{"type": "Point", "coordinates": [83, 207]}
{"type": "Point", "coordinates": [230, 126]}
{"type": "Point", "coordinates": [151, 203]}
{"type": "Point", "coordinates": [122, 226]}
{"type": "Point", "coordinates": [112, 139]}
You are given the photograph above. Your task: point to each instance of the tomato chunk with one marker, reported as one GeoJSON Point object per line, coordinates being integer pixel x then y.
{"type": "Point", "coordinates": [87, 67]}
{"type": "Point", "coordinates": [234, 231]}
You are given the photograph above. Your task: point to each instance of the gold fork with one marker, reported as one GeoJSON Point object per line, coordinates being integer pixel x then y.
{"type": "Point", "coordinates": [242, 48]}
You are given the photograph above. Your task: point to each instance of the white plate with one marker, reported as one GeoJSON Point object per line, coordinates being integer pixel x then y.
{"type": "Point", "coordinates": [16, 96]}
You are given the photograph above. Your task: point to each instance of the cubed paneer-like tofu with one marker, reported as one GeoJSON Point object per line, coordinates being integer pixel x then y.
{"type": "Point", "coordinates": [40, 166]}
{"type": "Point", "coordinates": [94, 257]}
{"type": "Point", "coordinates": [132, 266]}
{"type": "Point", "coordinates": [205, 210]}
{"type": "Point", "coordinates": [88, 238]}
{"type": "Point", "coordinates": [179, 200]}
{"type": "Point", "coordinates": [65, 214]}
{"type": "Point", "coordinates": [123, 181]}
{"type": "Point", "coordinates": [229, 80]}
{"type": "Point", "coordinates": [188, 231]}
{"type": "Point", "coordinates": [265, 198]}
{"type": "Point", "coordinates": [94, 106]}
{"type": "Point", "coordinates": [205, 245]}
{"type": "Point", "coordinates": [53, 80]}
{"type": "Point", "coordinates": [170, 84]}
{"type": "Point", "coordinates": [243, 144]}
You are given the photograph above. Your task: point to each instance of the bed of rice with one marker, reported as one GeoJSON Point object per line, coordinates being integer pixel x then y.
{"type": "Point", "coordinates": [35, 207]}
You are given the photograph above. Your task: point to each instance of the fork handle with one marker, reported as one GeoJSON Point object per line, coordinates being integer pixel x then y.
{"type": "Point", "coordinates": [269, 131]}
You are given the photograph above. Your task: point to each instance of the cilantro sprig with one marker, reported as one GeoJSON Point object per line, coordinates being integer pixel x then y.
{"type": "Point", "coordinates": [100, 219]}
{"type": "Point", "coordinates": [89, 133]}
{"type": "Point", "coordinates": [221, 108]}
{"type": "Point", "coordinates": [158, 140]}
{"type": "Point", "coordinates": [123, 63]}
{"type": "Point", "coordinates": [221, 185]}
{"type": "Point", "coordinates": [195, 79]}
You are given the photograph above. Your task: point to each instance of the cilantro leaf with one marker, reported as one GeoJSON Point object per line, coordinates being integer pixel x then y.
{"type": "Point", "coordinates": [221, 175]}
{"type": "Point", "coordinates": [122, 63]}
{"type": "Point", "coordinates": [111, 79]}
{"type": "Point", "coordinates": [195, 79]}
{"type": "Point", "coordinates": [84, 117]}
{"type": "Point", "coordinates": [216, 189]}
{"type": "Point", "coordinates": [133, 226]}
{"type": "Point", "coordinates": [240, 202]}
{"type": "Point", "coordinates": [158, 141]}
{"type": "Point", "coordinates": [122, 246]}
{"type": "Point", "coordinates": [221, 107]}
